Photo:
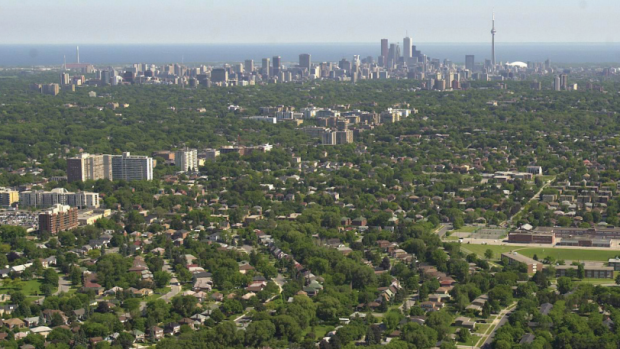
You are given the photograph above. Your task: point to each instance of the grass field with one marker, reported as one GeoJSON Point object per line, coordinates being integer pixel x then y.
{"type": "Point", "coordinates": [572, 254]}
{"type": "Point", "coordinates": [596, 281]}
{"type": "Point", "coordinates": [29, 288]}
{"type": "Point", "coordinates": [319, 331]}
{"type": "Point", "coordinates": [466, 229]}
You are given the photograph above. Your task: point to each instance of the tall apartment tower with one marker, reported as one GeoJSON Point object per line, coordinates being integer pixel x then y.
{"type": "Point", "coordinates": [186, 160]}
{"type": "Point", "coordinates": [557, 83]}
{"type": "Point", "coordinates": [304, 60]}
{"type": "Point", "coordinates": [86, 166]}
{"type": "Point", "coordinates": [266, 67]}
{"type": "Point", "coordinates": [470, 62]}
{"type": "Point", "coordinates": [564, 82]}
{"type": "Point", "coordinates": [132, 167]}
{"type": "Point", "coordinates": [384, 51]}
{"type": "Point", "coordinates": [65, 78]}
{"type": "Point", "coordinates": [277, 65]}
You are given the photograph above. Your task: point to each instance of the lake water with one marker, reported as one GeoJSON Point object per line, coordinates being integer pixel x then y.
{"type": "Point", "coordinates": [28, 55]}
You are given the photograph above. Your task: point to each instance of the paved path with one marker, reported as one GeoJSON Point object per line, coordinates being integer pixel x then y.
{"type": "Point", "coordinates": [175, 288]}
{"type": "Point", "coordinates": [499, 321]}
{"type": "Point", "coordinates": [64, 285]}
{"type": "Point", "coordinates": [535, 197]}
{"type": "Point", "coordinates": [444, 229]}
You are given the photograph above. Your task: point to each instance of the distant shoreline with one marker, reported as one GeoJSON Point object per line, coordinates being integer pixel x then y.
{"type": "Point", "coordinates": [98, 54]}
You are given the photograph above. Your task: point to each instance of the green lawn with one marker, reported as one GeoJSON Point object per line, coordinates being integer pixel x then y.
{"type": "Point", "coordinates": [319, 331]}
{"type": "Point", "coordinates": [572, 254]}
{"type": "Point", "coordinates": [595, 281]}
{"type": "Point", "coordinates": [481, 328]}
{"type": "Point", "coordinates": [157, 294]}
{"type": "Point", "coordinates": [29, 288]}
{"type": "Point", "coordinates": [466, 229]}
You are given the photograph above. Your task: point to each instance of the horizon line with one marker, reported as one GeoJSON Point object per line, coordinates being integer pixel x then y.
{"type": "Point", "coordinates": [311, 43]}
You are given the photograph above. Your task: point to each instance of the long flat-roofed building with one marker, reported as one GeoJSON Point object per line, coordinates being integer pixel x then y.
{"type": "Point", "coordinates": [40, 198]}
{"type": "Point", "coordinates": [529, 237]}
{"type": "Point", "coordinates": [575, 232]}
{"type": "Point", "coordinates": [591, 270]}
{"type": "Point", "coordinates": [515, 258]}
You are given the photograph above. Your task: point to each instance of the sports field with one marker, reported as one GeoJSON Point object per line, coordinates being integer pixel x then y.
{"type": "Point", "coordinates": [573, 254]}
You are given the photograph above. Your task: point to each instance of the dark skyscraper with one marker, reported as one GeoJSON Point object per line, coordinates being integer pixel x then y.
{"type": "Point", "coordinates": [384, 50]}
{"type": "Point", "coordinates": [469, 62]}
{"type": "Point", "coordinates": [276, 65]}
{"type": "Point", "coordinates": [304, 60]}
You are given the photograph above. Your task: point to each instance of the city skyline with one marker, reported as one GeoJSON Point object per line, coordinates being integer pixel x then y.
{"type": "Point", "coordinates": [237, 22]}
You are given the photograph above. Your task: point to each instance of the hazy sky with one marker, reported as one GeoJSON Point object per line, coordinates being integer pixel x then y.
{"type": "Point", "coordinates": [304, 21]}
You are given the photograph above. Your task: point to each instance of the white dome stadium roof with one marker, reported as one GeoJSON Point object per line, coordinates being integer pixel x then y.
{"type": "Point", "coordinates": [517, 64]}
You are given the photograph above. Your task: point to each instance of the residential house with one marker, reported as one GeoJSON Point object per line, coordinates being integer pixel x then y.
{"type": "Point", "coordinates": [156, 333]}
{"type": "Point", "coordinates": [41, 330]}
{"type": "Point", "coordinates": [13, 323]}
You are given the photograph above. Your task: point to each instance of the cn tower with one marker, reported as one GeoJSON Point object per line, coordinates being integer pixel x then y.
{"type": "Point", "coordinates": [493, 42]}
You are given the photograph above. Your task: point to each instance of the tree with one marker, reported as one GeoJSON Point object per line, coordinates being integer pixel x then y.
{"type": "Point", "coordinates": [464, 335]}
{"type": "Point", "coordinates": [458, 223]}
{"type": "Point", "coordinates": [329, 309]}
{"type": "Point", "coordinates": [392, 319]}
{"type": "Point", "coordinates": [161, 278]}
{"type": "Point", "coordinates": [385, 263]}
{"type": "Point", "coordinates": [125, 340]}
{"type": "Point", "coordinates": [50, 277]}
{"type": "Point", "coordinates": [57, 320]}
{"type": "Point", "coordinates": [303, 309]}
{"type": "Point", "coordinates": [565, 284]}
{"type": "Point", "coordinates": [259, 332]}
{"type": "Point", "coordinates": [60, 334]}
{"type": "Point", "coordinates": [184, 305]}
{"type": "Point", "coordinates": [231, 306]}
{"type": "Point", "coordinates": [287, 328]}
{"type": "Point", "coordinates": [46, 289]}
{"type": "Point", "coordinates": [488, 254]}
{"type": "Point", "coordinates": [581, 271]}
{"type": "Point", "coordinates": [75, 275]}
{"type": "Point", "coordinates": [157, 310]}
{"type": "Point", "coordinates": [131, 304]}
{"type": "Point", "coordinates": [439, 321]}
{"type": "Point", "coordinates": [618, 279]}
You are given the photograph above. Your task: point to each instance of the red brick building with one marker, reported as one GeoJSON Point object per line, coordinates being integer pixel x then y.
{"type": "Point", "coordinates": [58, 218]}
{"type": "Point", "coordinates": [527, 237]}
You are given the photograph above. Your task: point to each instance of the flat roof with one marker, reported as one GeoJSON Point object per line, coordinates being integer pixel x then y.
{"type": "Point", "coordinates": [520, 258]}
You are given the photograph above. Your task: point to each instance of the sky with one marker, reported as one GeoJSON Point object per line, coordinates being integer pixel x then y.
{"type": "Point", "coordinates": [305, 21]}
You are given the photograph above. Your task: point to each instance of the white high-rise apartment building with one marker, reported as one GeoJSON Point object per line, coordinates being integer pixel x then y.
{"type": "Point", "coordinates": [132, 167]}
{"type": "Point", "coordinates": [86, 166]}
{"type": "Point", "coordinates": [186, 159]}
{"type": "Point", "coordinates": [40, 198]}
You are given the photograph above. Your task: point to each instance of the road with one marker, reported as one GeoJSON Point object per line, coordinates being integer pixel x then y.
{"type": "Point", "coordinates": [501, 319]}
{"type": "Point", "coordinates": [175, 288]}
{"type": "Point", "coordinates": [64, 285]}
{"type": "Point", "coordinates": [535, 197]}
{"type": "Point", "coordinates": [444, 229]}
